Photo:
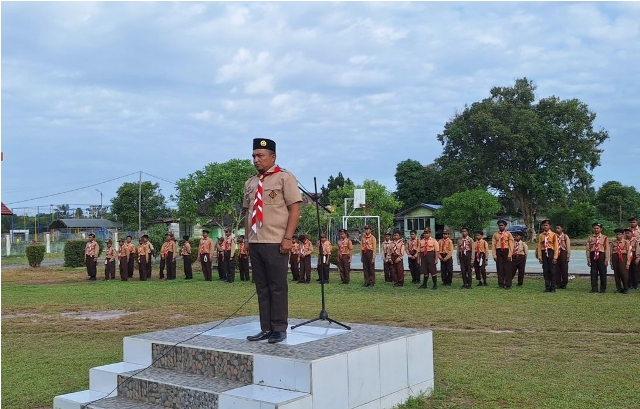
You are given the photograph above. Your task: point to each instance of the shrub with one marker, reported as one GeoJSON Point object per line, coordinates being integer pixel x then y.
{"type": "Point", "coordinates": [74, 252]}
{"type": "Point", "coordinates": [333, 259]}
{"type": "Point", "coordinates": [35, 254]}
{"type": "Point", "coordinates": [195, 249]}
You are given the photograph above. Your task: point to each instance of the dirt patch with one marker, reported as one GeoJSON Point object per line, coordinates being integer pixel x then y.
{"type": "Point", "coordinates": [97, 315]}
{"type": "Point", "coordinates": [80, 315]}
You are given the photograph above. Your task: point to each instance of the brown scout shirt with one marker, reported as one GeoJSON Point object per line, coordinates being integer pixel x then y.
{"type": "Point", "coordinates": [387, 247]}
{"type": "Point", "coordinates": [565, 243]}
{"type": "Point", "coordinates": [91, 249]}
{"type": "Point", "coordinates": [520, 248]}
{"type": "Point", "coordinates": [345, 247]}
{"type": "Point", "coordinates": [279, 190]}
{"type": "Point", "coordinates": [143, 251]}
{"type": "Point", "coordinates": [295, 248]}
{"type": "Point", "coordinates": [229, 244]}
{"type": "Point", "coordinates": [397, 251]}
{"type": "Point", "coordinates": [306, 248]}
{"type": "Point", "coordinates": [465, 245]}
{"type": "Point", "coordinates": [481, 246]}
{"type": "Point", "coordinates": [603, 246]}
{"type": "Point", "coordinates": [501, 240]}
{"type": "Point", "coordinates": [618, 248]}
{"type": "Point", "coordinates": [206, 246]}
{"type": "Point", "coordinates": [369, 243]}
{"type": "Point", "coordinates": [163, 249]}
{"type": "Point", "coordinates": [552, 243]}
{"type": "Point", "coordinates": [123, 252]}
{"type": "Point", "coordinates": [186, 249]}
{"type": "Point", "coordinates": [412, 248]}
{"type": "Point", "coordinates": [431, 244]}
{"type": "Point", "coordinates": [110, 254]}
{"type": "Point", "coordinates": [132, 248]}
{"type": "Point", "coordinates": [446, 247]}
{"type": "Point", "coordinates": [326, 250]}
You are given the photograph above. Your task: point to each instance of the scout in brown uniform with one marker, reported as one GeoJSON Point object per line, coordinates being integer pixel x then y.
{"type": "Point", "coordinates": [598, 258]}
{"type": "Point", "coordinates": [345, 254]}
{"type": "Point", "coordinates": [306, 248]}
{"type": "Point", "coordinates": [519, 258]}
{"type": "Point", "coordinates": [369, 244]}
{"type": "Point", "coordinates": [387, 246]}
{"type": "Point", "coordinates": [548, 256]}
{"type": "Point", "coordinates": [446, 258]}
{"type": "Point", "coordinates": [272, 200]}
{"type": "Point", "coordinates": [243, 256]}
{"type": "Point", "coordinates": [91, 251]}
{"type": "Point", "coordinates": [220, 259]}
{"type": "Point", "coordinates": [413, 256]}
{"type": "Point", "coordinates": [633, 226]}
{"type": "Point", "coordinates": [123, 257]}
{"type": "Point", "coordinates": [172, 253]}
{"type": "Point", "coordinates": [110, 262]}
{"type": "Point", "coordinates": [397, 264]}
{"type": "Point", "coordinates": [619, 249]}
{"type": "Point", "coordinates": [429, 250]}
{"type": "Point", "coordinates": [174, 268]}
{"type": "Point", "coordinates": [632, 256]}
{"type": "Point", "coordinates": [465, 255]}
{"type": "Point", "coordinates": [185, 252]}
{"type": "Point", "coordinates": [502, 248]}
{"type": "Point", "coordinates": [229, 254]}
{"type": "Point", "coordinates": [323, 262]}
{"type": "Point", "coordinates": [143, 259]}
{"type": "Point", "coordinates": [294, 259]}
{"type": "Point", "coordinates": [205, 251]}
{"type": "Point", "coordinates": [133, 256]}
{"type": "Point", "coordinates": [564, 256]}
{"type": "Point", "coordinates": [481, 251]}
{"type": "Point", "coordinates": [163, 255]}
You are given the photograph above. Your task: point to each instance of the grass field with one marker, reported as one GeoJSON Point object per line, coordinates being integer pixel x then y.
{"type": "Point", "coordinates": [493, 348]}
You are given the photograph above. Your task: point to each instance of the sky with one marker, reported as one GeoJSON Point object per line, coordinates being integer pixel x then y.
{"type": "Point", "coordinates": [95, 91]}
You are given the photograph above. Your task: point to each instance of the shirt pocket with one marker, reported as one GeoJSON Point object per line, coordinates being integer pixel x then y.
{"type": "Point", "coordinates": [273, 196]}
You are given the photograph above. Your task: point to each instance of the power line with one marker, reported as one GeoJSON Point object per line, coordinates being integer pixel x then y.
{"type": "Point", "coordinates": [157, 177]}
{"type": "Point", "coordinates": [73, 190]}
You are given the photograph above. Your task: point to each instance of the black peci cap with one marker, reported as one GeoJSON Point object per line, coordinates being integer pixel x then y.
{"type": "Point", "coordinates": [518, 233]}
{"type": "Point", "coordinates": [502, 222]}
{"type": "Point", "coordinates": [261, 143]}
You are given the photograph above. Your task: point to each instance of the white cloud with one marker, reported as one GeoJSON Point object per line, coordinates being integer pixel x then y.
{"type": "Point", "coordinates": [201, 116]}
{"type": "Point", "coordinates": [261, 85]}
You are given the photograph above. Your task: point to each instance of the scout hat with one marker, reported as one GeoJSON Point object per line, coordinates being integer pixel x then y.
{"type": "Point", "coordinates": [261, 143]}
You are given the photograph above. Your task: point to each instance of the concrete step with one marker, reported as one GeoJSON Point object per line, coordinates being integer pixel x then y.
{"type": "Point", "coordinates": [76, 400]}
{"type": "Point", "coordinates": [119, 402]}
{"type": "Point", "coordinates": [173, 389]}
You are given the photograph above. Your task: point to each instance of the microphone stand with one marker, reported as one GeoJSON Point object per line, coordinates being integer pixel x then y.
{"type": "Point", "coordinates": [324, 315]}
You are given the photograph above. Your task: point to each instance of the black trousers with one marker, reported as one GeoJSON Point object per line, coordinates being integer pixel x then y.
{"type": "Point", "coordinates": [548, 270]}
{"type": "Point", "coordinates": [244, 268]}
{"type": "Point", "coordinates": [229, 266]}
{"type": "Point", "coordinates": [206, 266]}
{"type": "Point", "coordinates": [562, 276]}
{"type": "Point", "coordinates": [305, 269]}
{"type": "Point", "coordinates": [163, 264]}
{"type": "Point", "coordinates": [110, 270]}
{"type": "Point", "coordinates": [446, 271]}
{"type": "Point", "coordinates": [620, 271]}
{"type": "Point", "coordinates": [124, 269]}
{"type": "Point", "coordinates": [465, 268]}
{"type": "Point", "coordinates": [188, 271]}
{"type": "Point", "coordinates": [221, 271]}
{"type": "Point", "coordinates": [517, 267]}
{"type": "Point", "coordinates": [323, 272]}
{"type": "Point", "coordinates": [414, 268]}
{"type": "Point", "coordinates": [386, 266]}
{"type": "Point", "coordinates": [428, 264]}
{"type": "Point", "coordinates": [368, 267]}
{"type": "Point", "coordinates": [481, 270]}
{"type": "Point", "coordinates": [171, 268]}
{"type": "Point", "coordinates": [633, 274]}
{"type": "Point", "coordinates": [143, 268]}
{"type": "Point", "coordinates": [270, 275]}
{"type": "Point", "coordinates": [294, 263]}
{"type": "Point", "coordinates": [92, 266]}
{"type": "Point", "coordinates": [598, 270]}
{"type": "Point", "coordinates": [502, 265]}
{"type": "Point", "coordinates": [132, 265]}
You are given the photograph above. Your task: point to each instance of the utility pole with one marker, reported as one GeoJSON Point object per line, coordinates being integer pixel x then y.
{"type": "Point", "coordinates": [100, 202]}
{"type": "Point", "coordinates": [140, 205]}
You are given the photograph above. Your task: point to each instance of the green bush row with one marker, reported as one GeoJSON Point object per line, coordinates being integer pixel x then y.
{"type": "Point", "coordinates": [74, 252]}
{"type": "Point", "coordinates": [35, 254]}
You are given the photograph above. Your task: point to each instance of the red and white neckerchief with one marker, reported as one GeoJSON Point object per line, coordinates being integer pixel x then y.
{"type": "Point", "coordinates": [445, 244]}
{"type": "Point", "coordinates": [619, 250]}
{"type": "Point", "coordinates": [121, 252]}
{"type": "Point", "coordinates": [596, 248]}
{"type": "Point", "coordinates": [561, 242]}
{"type": "Point", "coordinates": [464, 246]}
{"type": "Point", "coordinates": [365, 243]}
{"type": "Point", "coordinates": [546, 242]}
{"type": "Point", "coordinates": [202, 247]}
{"type": "Point", "coordinates": [631, 249]}
{"type": "Point", "coordinates": [227, 245]}
{"type": "Point", "coordinates": [398, 243]}
{"type": "Point", "coordinates": [517, 248]}
{"type": "Point", "coordinates": [426, 245]}
{"type": "Point", "coordinates": [257, 216]}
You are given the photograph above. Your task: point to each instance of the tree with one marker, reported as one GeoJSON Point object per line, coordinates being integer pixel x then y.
{"type": "Point", "coordinates": [125, 205]}
{"type": "Point", "coordinates": [616, 202]}
{"type": "Point", "coordinates": [532, 153]}
{"type": "Point", "coordinates": [215, 193]}
{"type": "Point", "coordinates": [380, 202]}
{"type": "Point", "coordinates": [576, 219]}
{"type": "Point", "coordinates": [333, 184]}
{"type": "Point", "coordinates": [416, 183]}
{"type": "Point", "coordinates": [62, 211]}
{"type": "Point", "coordinates": [473, 209]}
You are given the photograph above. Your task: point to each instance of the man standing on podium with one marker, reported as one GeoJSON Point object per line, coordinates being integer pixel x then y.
{"type": "Point", "coordinates": [272, 202]}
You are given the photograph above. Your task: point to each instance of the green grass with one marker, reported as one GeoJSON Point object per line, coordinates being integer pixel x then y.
{"type": "Point", "coordinates": [493, 348]}
{"type": "Point", "coordinates": [22, 260]}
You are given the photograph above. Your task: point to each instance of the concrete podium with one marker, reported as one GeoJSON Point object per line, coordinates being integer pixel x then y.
{"type": "Point", "coordinates": [319, 366]}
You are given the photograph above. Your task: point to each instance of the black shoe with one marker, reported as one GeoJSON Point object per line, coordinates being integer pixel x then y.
{"type": "Point", "coordinates": [435, 287]}
{"type": "Point", "coordinates": [553, 290]}
{"type": "Point", "coordinates": [625, 291]}
{"type": "Point", "coordinates": [563, 287]}
{"type": "Point", "coordinates": [546, 290]}
{"type": "Point", "coordinates": [603, 290]}
{"type": "Point", "coordinates": [424, 286]}
{"type": "Point", "coordinates": [593, 291]}
{"type": "Point", "coordinates": [519, 284]}
{"type": "Point", "coordinates": [92, 279]}
{"type": "Point", "coordinates": [479, 284]}
{"type": "Point", "coordinates": [508, 288]}
{"type": "Point", "coordinates": [277, 336]}
{"type": "Point", "coordinates": [485, 283]}
{"type": "Point", "coordinates": [260, 336]}
{"type": "Point", "coordinates": [318, 279]}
